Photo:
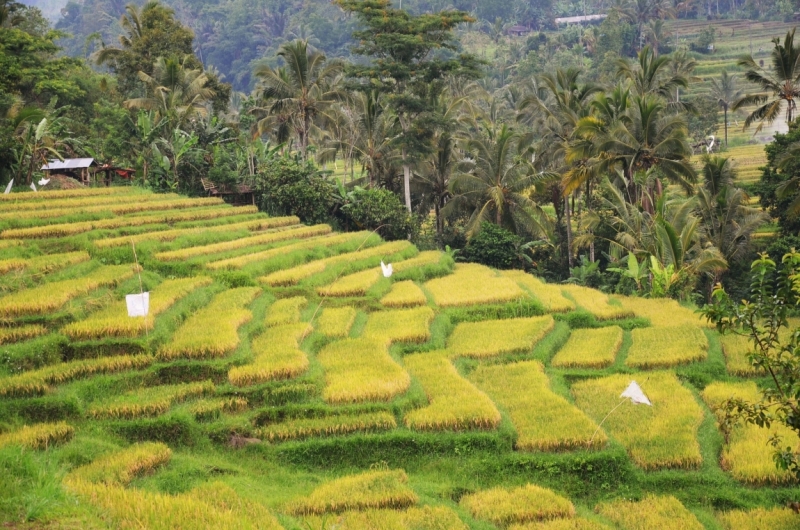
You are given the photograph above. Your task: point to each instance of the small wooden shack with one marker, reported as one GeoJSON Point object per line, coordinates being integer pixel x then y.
{"type": "Point", "coordinates": [77, 168]}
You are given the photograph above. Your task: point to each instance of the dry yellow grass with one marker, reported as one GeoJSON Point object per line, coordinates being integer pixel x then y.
{"type": "Point", "coordinates": [423, 518]}
{"type": "Point", "coordinates": [749, 456]}
{"type": "Point", "coordinates": [661, 436]}
{"type": "Point", "coordinates": [549, 295]}
{"type": "Point", "coordinates": [373, 489]}
{"type": "Point", "coordinates": [46, 263]}
{"type": "Point", "coordinates": [496, 337]}
{"type": "Point", "coordinates": [666, 346]}
{"type": "Point", "coordinates": [114, 321]}
{"type": "Point", "coordinates": [455, 403]}
{"type": "Point", "coordinates": [286, 311]}
{"type": "Point", "coordinates": [473, 284]}
{"type": "Point", "coordinates": [596, 303]}
{"type": "Point", "coordinates": [544, 420]}
{"type": "Point", "coordinates": [212, 330]}
{"type": "Point", "coordinates": [335, 322]}
{"type": "Point", "coordinates": [404, 294]}
{"type": "Point", "coordinates": [276, 355]}
{"type": "Point", "coordinates": [15, 334]}
{"type": "Point", "coordinates": [502, 506]}
{"type": "Point", "coordinates": [664, 513]}
{"type": "Point", "coordinates": [149, 401]}
{"type": "Point", "coordinates": [299, 232]}
{"type": "Point", "coordinates": [400, 325]}
{"type": "Point", "coordinates": [356, 284]}
{"type": "Point", "coordinates": [170, 235]}
{"type": "Point", "coordinates": [361, 370]}
{"type": "Point", "coordinates": [38, 436]}
{"type": "Point", "coordinates": [760, 519]}
{"type": "Point", "coordinates": [590, 348]}
{"type": "Point", "coordinates": [327, 426]}
{"type": "Point", "coordinates": [51, 296]}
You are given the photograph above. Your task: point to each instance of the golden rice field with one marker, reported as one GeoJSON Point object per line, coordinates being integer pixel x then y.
{"type": "Point", "coordinates": [736, 348]}
{"type": "Point", "coordinates": [281, 381]}
{"type": "Point", "coordinates": [455, 403]}
{"type": "Point", "coordinates": [661, 436]}
{"type": "Point", "coordinates": [544, 421]}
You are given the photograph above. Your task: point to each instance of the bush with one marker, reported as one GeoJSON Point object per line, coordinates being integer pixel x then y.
{"type": "Point", "coordinates": [290, 187]}
{"type": "Point", "coordinates": [368, 209]}
{"type": "Point", "coordinates": [493, 246]}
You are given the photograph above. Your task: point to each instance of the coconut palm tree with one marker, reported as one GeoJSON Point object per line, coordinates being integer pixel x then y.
{"type": "Point", "coordinates": [297, 95]}
{"type": "Point", "coordinates": [779, 88]}
{"type": "Point", "coordinates": [495, 183]}
{"type": "Point", "coordinates": [726, 93]}
{"type": "Point", "coordinates": [640, 12]}
{"type": "Point", "coordinates": [650, 74]}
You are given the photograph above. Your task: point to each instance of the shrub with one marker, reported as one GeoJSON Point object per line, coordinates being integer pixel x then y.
{"type": "Point", "coordinates": [493, 246]}
{"type": "Point", "coordinates": [369, 209]}
{"type": "Point", "coordinates": [290, 187]}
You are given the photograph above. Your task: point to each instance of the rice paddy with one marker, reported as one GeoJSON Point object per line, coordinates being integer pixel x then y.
{"type": "Point", "coordinates": [473, 284]}
{"type": "Point", "coordinates": [736, 348]}
{"type": "Point", "coordinates": [286, 311]}
{"type": "Point", "coordinates": [150, 401]}
{"type": "Point", "coordinates": [276, 355]}
{"type": "Point", "coordinates": [298, 429]}
{"type": "Point", "coordinates": [550, 296]}
{"type": "Point", "coordinates": [39, 436]}
{"type": "Point", "coordinates": [335, 322]}
{"type": "Point", "coordinates": [596, 303]}
{"type": "Point", "coordinates": [590, 348]}
{"type": "Point", "coordinates": [400, 325]}
{"type": "Point", "coordinates": [527, 503]}
{"type": "Point", "coordinates": [404, 294]}
{"type": "Point", "coordinates": [666, 347]}
{"type": "Point", "coordinates": [496, 337]}
{"type": "Point", "coordinates": [760, 519]}
{"type": "Point", "coordinates": [652, 512]}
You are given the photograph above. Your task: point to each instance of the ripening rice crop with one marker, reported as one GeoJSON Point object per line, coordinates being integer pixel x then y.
{"type": "Point", "coordinates": [116, 209]}
{"type": "Point", "coordinates": [88, 201]}
{"type": "Point", "coordinates": [549, 295]}
{"type": "Point", "coordinates": [286, 311]}
{"type": "Point", "coordinates": [596, 303]}
{"type": "Point", "coordinates": [760, 519]}
{"type": "Point", "coordinates": [662, 312]}
{"type": "Point", "coordinates": [664, 513]}
{"type": "Point", "coordinates": [335, 322]}
{"type": "Point", "coordinates": [400, 325]}
{"type": "Point", "coordinates": [38, 436]}
{"type": "Point", "coordinates": [749, 456]}
{"type": "Point", "coordinates": [573, 523]}
{"type": "Point", "coordinates": [544, 420]}
{"type": "Point", "coordinates": [148, 401]}
{"type": "Point", "coordinates": [15, 334]}
{"type": "Point", "coordinates": [123, 466]}
{"type": "Point", "coordinates": [590, 348]}
{"type": "Point", "coordinates": [8, 243]}
{"type": "Point", "coordinates": [736, 347]}
{"type": "Point", "coordinates": [473, 284]}
{"type": "Point", "coordinates": [224, 498]}
{"type": "Point", "coordinates": [66, 229]}
{"type": "Point", "coordinates": [276, 355]}
{"type": "Point", "coordinates": [455, 403]}
{"type": "Point", "coordinates": [502, 506]}
{"type": "Point", "coordinates": [300, 428]}
{"type": "Point", "coordinates": [169, 235]}
{"type": "Point", "coordinates": [48, 297]}
{"type": "Point", "coordinates": [661, 436]}
{"type": "Point", "coordinates": [213, 330]}
{"type": "Point", "coordinates": [212, 408]}
{"type": "Point", "coordinates": [306, 244]}
{"type": "Point", "coordinates": [496, 337]}
{"type": "Point", "coordinates": [361, 370]}
{"type": "Point", "coordinates": [404, 294]}
{"type": "Point", "coordinates": [667, 346]}
{"type": "Point", "coordinates": [300, 232]}
{"type": "Point", "coordinates": [427, 257]}
{"type": "Point", "coordinates": [114, 321]}
{"type": "Point", "coordinates": [356, 284]}
{"type": "Point", "coordinates": [423, 518]}
{"type": "Point", "coordinates": [359, 259]}
{"type": "Point", "coordinates": [39, 381]}
{"type": "Point", "coordinates": [64, 194]}
{"type": "Point", "coordinates": [373, 489]}
{"type": "Point", "coordinates": [46, 263]}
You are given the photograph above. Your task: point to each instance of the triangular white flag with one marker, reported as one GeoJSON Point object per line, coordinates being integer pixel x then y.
{"type": "Point", "coordinates": [636, 395]}
{"type": "Point", "coordinates": [387, 269]}
{"type": "Point", "coordinates": [138, 304]}
{"type": "Point", "coordinates": [33, 186]}
{"type": "Point", "coordinates": [8, 188]}
{"type": "Point", "coordinates": [44, 182]}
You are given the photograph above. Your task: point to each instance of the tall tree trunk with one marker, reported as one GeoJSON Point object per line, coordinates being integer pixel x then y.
{"type": "Point", "coordinates": [568, 219]}
{"type": "Point", "coordinates": [407, 181]}
{"type": "Point", "coordinates": [726, 126]}
{"type": "Point", "coordinates": [589, 209]}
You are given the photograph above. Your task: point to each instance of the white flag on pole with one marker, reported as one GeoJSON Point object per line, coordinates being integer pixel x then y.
{"type": "Point", "coordinates": [43, 181]}
{"type": "Point", "coordinates": [635, 394]}
{"type": "Point", "coordinates": [387, 269]}
{"type": "Point", "coordinates": [138, 304]}
{"type": "Point", "coordinates": [33, 186]}
{"type": "Point", "coordinates": [8, 188]}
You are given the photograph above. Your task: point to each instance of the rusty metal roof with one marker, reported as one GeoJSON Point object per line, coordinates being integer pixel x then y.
{"type": "Point", "coordinates": [69, 163]}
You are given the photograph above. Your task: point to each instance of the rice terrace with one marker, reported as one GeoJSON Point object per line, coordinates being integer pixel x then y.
{"type": "Point", "coordinates": [280, 380]}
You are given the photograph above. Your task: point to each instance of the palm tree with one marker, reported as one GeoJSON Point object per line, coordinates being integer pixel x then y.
{"type": "Point", "coordinates": [650, 74]}
{"type": "Point", "coordinates": [726, 93]}
{"type": "Point", "coordinates": [495, 185]}
{"type": "Point", "coordinates": [640, 12]}
{"type": "Point", "coordinates": [781, 87]}
{"type": "Point", "coordinates": [298, 94]}
{"type": "Point", "coordinates": [174, 92]}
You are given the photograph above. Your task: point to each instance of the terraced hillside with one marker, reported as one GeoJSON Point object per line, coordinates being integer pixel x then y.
{"type": "Point", "coordinates": [281, 381]}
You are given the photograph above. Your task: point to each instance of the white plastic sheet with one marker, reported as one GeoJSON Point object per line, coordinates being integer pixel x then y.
{"type": "Point", "coordinates": [635, 393]}
{"type": "Point", "coordinates": [138, 304]}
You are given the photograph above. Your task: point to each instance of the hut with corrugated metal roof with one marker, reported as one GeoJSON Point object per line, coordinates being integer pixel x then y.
{"type": "Point", "coordinates": [77, 168]}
